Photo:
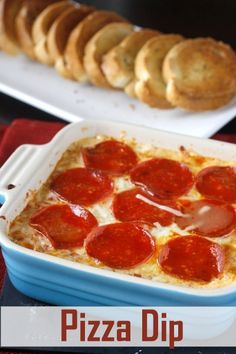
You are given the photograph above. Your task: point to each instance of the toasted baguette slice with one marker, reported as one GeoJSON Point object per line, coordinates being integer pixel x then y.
{"type": "Point", "coordinates": [42, 26]}
{"type": "Point", "coordinates": [63, 69]}
{"type": "Point", "coordinates": [9, 10]}
{"type": "Point", "coordinates": [105, 39]}
{"type": "Point", "coordinates": [24, 22]}
{"type": "Point", "coordinates": [192, 103]}
{"type": "Point", "coordinates": [61, 29]}
{"type": "Point", "coordinates": [130, 89]}
{"type": "Point", "coordinates": [199, 72]}
{"type": "Point", "coordinates": [118, 63]}
{"type": "Point", "coordinates": [150, 86]}
{"type": "Point", "coordinates": [74, 53]}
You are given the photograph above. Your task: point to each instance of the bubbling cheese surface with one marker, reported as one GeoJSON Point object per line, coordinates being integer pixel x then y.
{"type": "Point", "coordinates": [21, 233]}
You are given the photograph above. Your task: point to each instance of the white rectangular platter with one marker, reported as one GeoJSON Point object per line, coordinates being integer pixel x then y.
{"type": "Point", "coordinates": [41, 87]}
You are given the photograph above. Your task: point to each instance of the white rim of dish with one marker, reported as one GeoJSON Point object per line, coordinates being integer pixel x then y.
{"type": "Point", "coordinates": [158, 285]}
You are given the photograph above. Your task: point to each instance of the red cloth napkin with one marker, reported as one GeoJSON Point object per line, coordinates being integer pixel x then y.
{"type": "Point", "coordinates": [228, 138]}
{"type": "Point", "coordinates": [24, 131]}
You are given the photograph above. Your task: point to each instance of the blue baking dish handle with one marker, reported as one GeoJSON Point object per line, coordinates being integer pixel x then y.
{"type": "Point", "coordinates": [15, 169]}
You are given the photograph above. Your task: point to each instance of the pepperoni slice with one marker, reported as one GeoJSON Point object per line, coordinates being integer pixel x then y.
{"type": "Point", "coordinates": [192, 258]}
{"type": "Point", "coordinates": [110, 156]}
{"type": "Point", "coordinates": [120, 245]}
{"type": "Point", "coordinates": [64, 226]}
{"type": "Point", "coordinates": [82, 186]}
{"type": "Point", "coordinates": [165, 178]}
{"type": "Point", "coordinates": [209, 218]}
{"type": "Point", "coordinates": [127, 207]}
{"type": "Point", "coordinates": [218, 183]}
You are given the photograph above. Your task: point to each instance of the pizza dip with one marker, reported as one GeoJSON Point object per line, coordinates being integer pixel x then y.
{"type": "Point", "coordinates": [168, 216]}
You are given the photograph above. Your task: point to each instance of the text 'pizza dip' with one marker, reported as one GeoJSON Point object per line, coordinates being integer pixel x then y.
{"type": "Point", "coordinates": [163, 215]}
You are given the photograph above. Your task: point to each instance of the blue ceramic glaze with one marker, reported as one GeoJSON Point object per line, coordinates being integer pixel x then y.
{"type": "Point", "coordinates": [74, 287]}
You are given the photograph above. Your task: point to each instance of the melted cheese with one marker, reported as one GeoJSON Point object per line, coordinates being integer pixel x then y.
{"type": "Point", "coordinates": [21, 233]}
{"type": "Point", "coordinates": [160, 206]}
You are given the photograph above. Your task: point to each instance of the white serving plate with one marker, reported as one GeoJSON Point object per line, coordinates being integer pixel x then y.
{"type": "Point", "coordinates": [42, 87]}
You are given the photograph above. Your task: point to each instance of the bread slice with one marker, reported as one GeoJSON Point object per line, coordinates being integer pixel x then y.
{"type": "Point", "coordinates": [24, 22]}
{"type": "Point", "coordinates": [150, 87]}
{"type": "Point", "coordinates": [79, 37]}
{"type": "Point", "coordinates": [194, 103]}
{"type": "Point", "coordinates": [118, 63]}
{"type": "Point", "coordinates": [63, 69]}
{"type": "Point", "coordinates": [42, 26]}
{"type": "Point", "coordinates": [61, 29]}
{"type": "Point", "coordinates": [8, 35]}
{"type": "Point", "coordinates": [200, 74]}
{"type": "Point", "coordinates": [130, 89]}
{"type": "Point", "coordinates": [105, 39]}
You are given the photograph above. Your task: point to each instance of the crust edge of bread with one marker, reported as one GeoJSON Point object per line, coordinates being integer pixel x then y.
{"type": "Point", "coordinates": [194, 104]}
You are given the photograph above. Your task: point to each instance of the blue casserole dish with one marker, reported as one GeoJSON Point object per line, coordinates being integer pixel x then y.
{"type": "Point", "coordinates": [62, 282]}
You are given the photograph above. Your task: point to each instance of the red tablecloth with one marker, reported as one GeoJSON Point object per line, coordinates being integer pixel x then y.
{"type": "Point", "coordinates": [23, 131]}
